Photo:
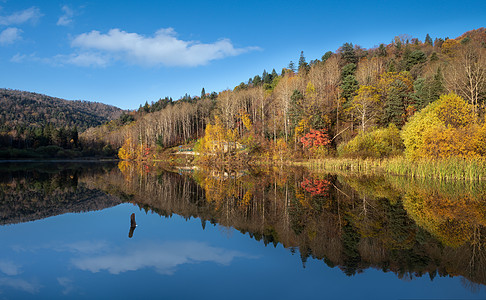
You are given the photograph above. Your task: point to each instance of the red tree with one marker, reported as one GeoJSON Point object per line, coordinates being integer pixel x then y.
{"type": "Point", "coordinates": [315, 138]}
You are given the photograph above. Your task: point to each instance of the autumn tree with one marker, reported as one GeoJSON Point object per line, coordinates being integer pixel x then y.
{"type": "Point", "coordinates": [443, 129]}
{"type": "Point", "coordinates": [366, 105]}
{"type": "Point", "coordinates": [466, 75]}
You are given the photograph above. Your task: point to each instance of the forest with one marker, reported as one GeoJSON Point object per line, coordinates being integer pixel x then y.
{"type": "Point", "coordinates": [420, 99]}
{"type": "Point", "coordinates": [409, 98]}
{"type": "Point", "coordinates": [36, 125]}
{"type": "Point", "coordinates": [412, 228]}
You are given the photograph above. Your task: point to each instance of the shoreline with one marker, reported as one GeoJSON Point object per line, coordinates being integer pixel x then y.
{"type": "Point", "coordinates": [44, 160]}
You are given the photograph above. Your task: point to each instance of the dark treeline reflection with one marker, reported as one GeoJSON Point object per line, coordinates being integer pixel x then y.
{"type": "Point", "coordinates": [30, 192]}
{"type": "Point", "coordinates": [411, 228]}
{"type": "Point", "coordinates": [408, 227]}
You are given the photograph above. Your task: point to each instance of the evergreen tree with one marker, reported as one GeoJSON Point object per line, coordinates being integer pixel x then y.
{"type": "Point", "coordinates": [203, 93]}
{"type": "Point", "coordinates": [428, 40]}
{"type": "Point", "coordinates": [257, 80]}
{"type": "Point", "coordinates": [326, 56]}
{"type": "Point", "coordinates": [394, 108]}
{"type": "Point", "coordinates": [434, 57]}
{"type": "Point", "coordinates": [414, 58]}
{"type": "Point", "coordinates": [146, 107]}
{"type": "Point", "coordinates": [349, 69]}
{"type": "Point", "coordinates": [302, 62]}
{"type": "Point", "coordinates": [382, 50]}
{"type": "Point", "coordinates": [292, 66]}
{"type": "Point", "coordinates": [348, 54]}
{"type": "Point", "coordinates": [392, 66]}
{"type": "Point", "coordinates": [267, 78]}
{"type": "Point", "coordinates": [296, 108]}
{"type": "Point", "coordinates": [274, 74]}
{"type": "Point", "coordinates": [349, 86]}
{"type": "Point", "coordinates": [428, 89]}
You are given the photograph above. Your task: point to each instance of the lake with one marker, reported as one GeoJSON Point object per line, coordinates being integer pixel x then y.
{"type": "Point", "coordinates": [275, 233]}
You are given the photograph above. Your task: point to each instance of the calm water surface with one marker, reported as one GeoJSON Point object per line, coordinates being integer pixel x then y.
{"type": "Point", "coordinates": [274, 234]}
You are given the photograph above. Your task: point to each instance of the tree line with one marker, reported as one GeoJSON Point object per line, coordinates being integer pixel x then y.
{"type": "Point", "coordinates": [36, 125]}
{"type": "Point", "coordinates": [338, 97]}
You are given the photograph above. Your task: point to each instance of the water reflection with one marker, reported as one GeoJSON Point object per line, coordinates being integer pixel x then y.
{"type": "Point", "coordinates": [409, 227]}
{"type": "Point", "coordinates": [37, 191]}
{"type": "Point", "coordinates": [163, 257]}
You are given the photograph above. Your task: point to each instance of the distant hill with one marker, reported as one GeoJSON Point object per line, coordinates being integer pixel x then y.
{"type": "Point", "coordinates": [21, 109]}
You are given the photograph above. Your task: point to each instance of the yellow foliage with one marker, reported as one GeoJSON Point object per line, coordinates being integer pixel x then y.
{"type": "Point", "coordinates": [387, 79]}
{"type": "Point", "coordinates": [445, 128]}
{"type": "Point", "coordinates": [128, 151]}
{"type": "Point", "coordinates": [245, 118]}
{"type": "Point", "coordinates": [449, 47]}
{"type": "Point", "coordinates": [450, 218]}
{"type": "Point", "coordinates": [303, 126]}
{"type": "Point", "coordinates": [310, 92]}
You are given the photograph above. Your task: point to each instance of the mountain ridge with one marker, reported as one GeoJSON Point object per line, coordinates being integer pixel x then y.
{"type": "Point", "coordinates": [24, 109]}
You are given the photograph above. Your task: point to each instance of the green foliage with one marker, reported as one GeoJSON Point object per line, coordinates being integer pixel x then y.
{"type": "Point", "coordinates": [296, 108]}
{"type": "Point", "coordinates": [428, 40]}
{"type": "Point", "coordinates": [348, 55]}
{"type": "Point", "coordinates": [414, 58]}
{"type": "Point", "coordinates": [433, 57]}
{"type": "Point", "coordinates": [326, 56]}
{"type": "Point", "coordinates": [302, 63]}
{"type": "Point", "coordinates": [379, 143]}
{"type": "Point", "coordinates": [349, 69]}
{"type": "Point", "coordinates": [382, 51]}
{"type": "Point", "coordinates": [428, 89]}
{"type": "Point", "coordinates": [349, 86]}
{"type": "Point", "coordinates": [257, 80]}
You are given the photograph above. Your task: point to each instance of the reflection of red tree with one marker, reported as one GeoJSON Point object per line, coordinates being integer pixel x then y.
{"type": "Point", "coordinates": [316, 186]}
{"type": "Point", "coordinates": [315, 138]}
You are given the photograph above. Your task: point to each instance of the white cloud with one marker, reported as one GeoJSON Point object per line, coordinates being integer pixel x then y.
{"type": "Point", "coordinates": [20, 284]}
{"type": "Point", "coordinates": [164, 48]}
{"type": "Point", "coordinates": [84, 59]}
{"type": "Point", "coordinates": [30, 14]}
{"type": "Point", "coordinates": [164, 258]}
{"type": "Point", "coordinates": [10, 35]}
{"type": "Point", "coordinates": [9, 268]}
{"type": "Point", "coordinates": [67, 284]}
{"type": "Point", "coordinates": [67, 18]}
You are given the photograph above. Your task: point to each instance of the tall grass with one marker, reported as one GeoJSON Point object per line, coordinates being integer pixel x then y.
{"type": "Point", "coordinates": [442, 169]}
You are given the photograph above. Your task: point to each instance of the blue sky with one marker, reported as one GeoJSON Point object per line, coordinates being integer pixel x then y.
{"type": "Point", "coordinates": [124, 53]}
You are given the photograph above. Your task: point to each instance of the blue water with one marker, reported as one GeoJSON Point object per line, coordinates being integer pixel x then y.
{"type": "Point", "coordinates": [89, 255]}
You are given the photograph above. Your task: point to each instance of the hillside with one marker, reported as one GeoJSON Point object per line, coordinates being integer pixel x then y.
{"type": "Point", "coordinates": [21, 110]}
{"type": "Point", "coordinates": [316, 108]}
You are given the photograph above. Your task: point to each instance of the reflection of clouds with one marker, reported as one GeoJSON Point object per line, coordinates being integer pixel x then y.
{"type": "Point", "coordinates": [67, 284]}
{"type": "Point", "coordinates": [9, 268]}
{"type": "Point", "coordinates": [85, 247]}
{"type": "Point", "coordinates": [20, 284]}
{"type": "Point", "coordinates": [163, 257]}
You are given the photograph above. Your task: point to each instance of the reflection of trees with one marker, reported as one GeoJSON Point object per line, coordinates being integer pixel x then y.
{"type": "Point", "coordinates": [457, 218]}
{"type": "Point", "coordinates": [356, 223]}
{"type": "Point", "coordinates": [31, 192]}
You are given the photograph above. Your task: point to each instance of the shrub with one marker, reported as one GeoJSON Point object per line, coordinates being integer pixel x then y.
{"type": "Point", "coordinates": [444, 128]}
{"type": "Point", "coordinates": [379, 143]}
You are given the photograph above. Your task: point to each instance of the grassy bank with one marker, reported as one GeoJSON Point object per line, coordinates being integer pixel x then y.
{"type": "Point", "coordinates": [443, 169]}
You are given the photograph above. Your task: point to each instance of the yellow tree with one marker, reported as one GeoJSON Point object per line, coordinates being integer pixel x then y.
{"type": "Point", "coordinates": [445, 128]}
{"type": "Point", "coordinates": [366, 105]}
